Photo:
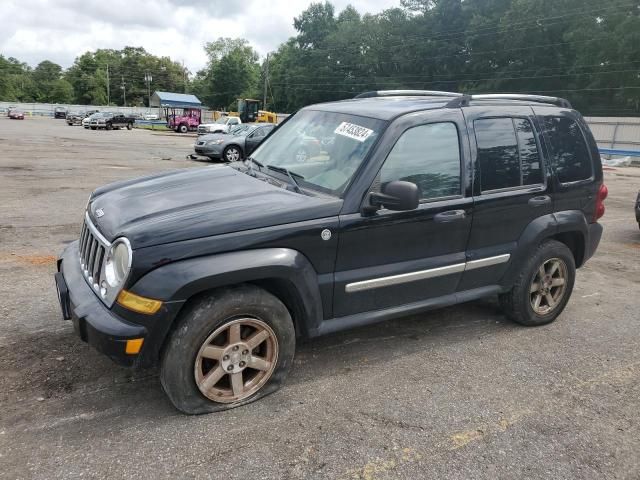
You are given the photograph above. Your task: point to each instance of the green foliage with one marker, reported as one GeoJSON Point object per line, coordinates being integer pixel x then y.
{"type": "Point", "coordinates": [584, 50]}
{"type": "Point", "coordinates": [232, 72]}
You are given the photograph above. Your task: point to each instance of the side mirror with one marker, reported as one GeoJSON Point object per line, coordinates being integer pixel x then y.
{"type": "Point", "coordinates": [397, 195]}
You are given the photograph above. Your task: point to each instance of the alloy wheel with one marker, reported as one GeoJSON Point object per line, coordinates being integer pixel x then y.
{"type": "Point", "coordinates": [233, 154]}
{"type": "Point", "coordinates": [236, 360]}
{"type": "Point", "coordinates": [548, 286]}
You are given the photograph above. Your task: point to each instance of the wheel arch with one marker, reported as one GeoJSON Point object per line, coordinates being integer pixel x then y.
{"type": "Point", "coordinates": [285, 273]}
{"type": "Point", "coordinates": [568, 227]}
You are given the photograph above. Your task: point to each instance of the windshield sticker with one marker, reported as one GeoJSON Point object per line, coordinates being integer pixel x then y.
{"type": "Point", "coordinates": [356, 132]}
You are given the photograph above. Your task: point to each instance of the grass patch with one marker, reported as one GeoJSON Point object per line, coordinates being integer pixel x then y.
{"type": "Point", "coordinates": [160, 128]}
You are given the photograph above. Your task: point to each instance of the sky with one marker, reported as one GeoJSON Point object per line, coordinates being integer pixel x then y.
{"type": "Point", "coordinates": [60, 30]}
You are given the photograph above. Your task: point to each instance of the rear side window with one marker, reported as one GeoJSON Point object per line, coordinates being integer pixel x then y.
{"type": "Point", "coordinates": [508, 153]}
{"type": "Point", "coordinates": [429, 156]}
{"type": "Point", "coordinates": [569, 153]}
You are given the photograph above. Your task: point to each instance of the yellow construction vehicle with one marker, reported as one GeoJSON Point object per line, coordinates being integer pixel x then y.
{"type": "Point", "coordinates": [249, 111]}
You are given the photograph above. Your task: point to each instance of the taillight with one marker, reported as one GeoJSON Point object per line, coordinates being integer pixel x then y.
{"type": "Point", "coordinates": [603, 191]}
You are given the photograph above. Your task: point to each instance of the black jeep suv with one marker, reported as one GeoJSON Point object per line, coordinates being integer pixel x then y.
{"type": "Point", "coordinates": [413, 200]}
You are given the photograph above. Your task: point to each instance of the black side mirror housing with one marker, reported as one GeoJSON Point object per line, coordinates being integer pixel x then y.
{"type": "Point", "coordinates": [397, 196]}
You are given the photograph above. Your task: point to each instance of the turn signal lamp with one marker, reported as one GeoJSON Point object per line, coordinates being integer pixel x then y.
{"type": "Point", "coordinates": [138, 304]}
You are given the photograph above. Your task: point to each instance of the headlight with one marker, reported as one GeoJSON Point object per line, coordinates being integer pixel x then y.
{"type": "Point", "coordinates": [118, 264]}
{"type": "Point", "coordinates": [215, 142]}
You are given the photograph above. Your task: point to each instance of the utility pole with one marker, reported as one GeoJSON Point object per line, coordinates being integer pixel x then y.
{"type": "Point", "coordinates": [184, 77]}
{"type": "Point", "coordinates": [148, 78]}
{"type": "Point", "coordinates": [124, 92]}
{"type": "Point", "coordinates": [266, 81]}
{"type": "Point", "coordinates": [108, 87]}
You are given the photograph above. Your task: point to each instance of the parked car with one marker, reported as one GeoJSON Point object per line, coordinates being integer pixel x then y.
{"type": "Point", "coordinates": [86, 121]}
{"type": "Point", "coordinates": [222, 125]}
{"type": "Point", "coordinates": [638, 209]}
{"type": "Point", "coordinates": [60, 112]}
{"type": "Point", "coordinates": [16, 115]}
{"type": "Point", "coordinates": [235, 145]}
{"type": "Point", "coordinates": [75, 118]}
{"type": "Point", "coordinates": [10, 109]}
{"type": "Point", "coordinates": [110, 121]}
{"type": "Point", "coordinates": [417, 200]}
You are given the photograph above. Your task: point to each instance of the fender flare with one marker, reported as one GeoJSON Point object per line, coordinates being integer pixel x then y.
{"type": "Point", "coordinates": [181, 280]}
{"type": "Point", "coordinates": [546, 226]}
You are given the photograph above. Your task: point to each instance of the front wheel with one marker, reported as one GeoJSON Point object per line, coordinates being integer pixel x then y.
{"type": "Point", "coordinates": [129, 126]}
{"type": "Point", "coordinates": [230, 348]}
{"type": "Point", "coordinates": [232, 154]}
{"type": "Point", "coordinates": [108, 126]}
{"type": "Point", "coordinates": [543, 287]}
{"type": "Point", "coordinates": [183, 128]}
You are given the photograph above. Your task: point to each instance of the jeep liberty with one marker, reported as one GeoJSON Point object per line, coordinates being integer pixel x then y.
{"type": "Point", "coordinates": [412, 200]}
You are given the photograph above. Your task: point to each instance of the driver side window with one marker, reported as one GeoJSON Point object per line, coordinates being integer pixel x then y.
{"type": "Point", "coordinates": [429, 156]}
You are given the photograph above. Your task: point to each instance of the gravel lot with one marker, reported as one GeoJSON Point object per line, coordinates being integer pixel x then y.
{"type": "Point", "coordinates": [459, 393]}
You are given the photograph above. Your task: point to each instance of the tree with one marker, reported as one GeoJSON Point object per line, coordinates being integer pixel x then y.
{"type": "Point", "coordinates": [232, 72]}
{"type": "Point", "coordinates": [62, 92]}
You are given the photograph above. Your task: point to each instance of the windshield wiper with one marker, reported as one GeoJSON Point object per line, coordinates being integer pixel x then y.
{"type": "Point", "coordinates": [294, 182]}
{"type": "Point", "coordinates": [253, 161]}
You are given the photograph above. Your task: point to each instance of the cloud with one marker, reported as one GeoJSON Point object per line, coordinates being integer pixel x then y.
{"type": "Point", "coordinates": [61, 30]}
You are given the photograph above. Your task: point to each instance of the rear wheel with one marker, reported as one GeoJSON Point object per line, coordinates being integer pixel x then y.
{"type": "Point", "coordinates": [109, 126]}
{"type": "Point", "coordinates": [183, 128]}
{"type": "Point", "coordinates": [228, 349]}
{"type": "Point", "coordinates": [129, 126]}
{"type": "Point", "coordinates": [543, 287]}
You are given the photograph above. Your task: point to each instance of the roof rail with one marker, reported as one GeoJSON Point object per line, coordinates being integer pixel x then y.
{"type": "Point", "coordinates": [407, 93]}
{"type": "Point", "coordinates": [560, 102]}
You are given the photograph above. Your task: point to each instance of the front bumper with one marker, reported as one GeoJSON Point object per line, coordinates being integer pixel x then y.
{"type": "Point", "coordinates": [209, 150]}
{"type": "Point", "coordinates": [92, 320]}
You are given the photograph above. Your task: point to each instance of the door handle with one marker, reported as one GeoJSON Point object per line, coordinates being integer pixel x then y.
{"type": "Point", "coordinates": [539, 201]}
{"type": "Point", "coordinates": [449, 216]}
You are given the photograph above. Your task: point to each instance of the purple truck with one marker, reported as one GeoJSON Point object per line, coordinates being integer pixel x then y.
{"type": "Point", "coordinates": [183, 120]}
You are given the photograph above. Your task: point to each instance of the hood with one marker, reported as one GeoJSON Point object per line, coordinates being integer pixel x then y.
{"type": "Point", "coordinates": [212, 136]}
{"type": "Point", "coordinates": [199, 202]}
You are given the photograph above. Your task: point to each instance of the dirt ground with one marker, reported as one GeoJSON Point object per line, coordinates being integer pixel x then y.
{"type": "Point", "coordinates": [459, 393]}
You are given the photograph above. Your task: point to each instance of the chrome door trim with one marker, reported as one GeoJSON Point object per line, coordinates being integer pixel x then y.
{"type": "Point", "coordinates": [403, 278]}
{"type": "Point", "coordinates": [424, 274]}
{"type": "Point", "coordinates": [488, 262]}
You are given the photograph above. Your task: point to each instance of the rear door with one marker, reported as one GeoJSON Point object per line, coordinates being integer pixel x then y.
{"type": "Point", "coordinates": [511, 188]}
{"type": "Point", "coordinates": [395, 258]}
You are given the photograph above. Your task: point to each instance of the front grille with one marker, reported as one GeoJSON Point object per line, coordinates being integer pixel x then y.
{"type": "Point", "coordinates": [93, 249]}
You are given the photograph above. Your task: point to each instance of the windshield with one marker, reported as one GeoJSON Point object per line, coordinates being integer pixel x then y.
{"type": "Point", "coordinates": [221, 121]}
{"type": "Point", "coordinates": [239, 129]}
{"type": "Point", "coordinates": [325, 148]}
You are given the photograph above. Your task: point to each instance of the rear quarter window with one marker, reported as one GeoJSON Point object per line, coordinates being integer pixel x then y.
{"type": "Point", "coordinates": [568, 149]}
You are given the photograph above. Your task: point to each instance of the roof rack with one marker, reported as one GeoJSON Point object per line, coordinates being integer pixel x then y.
{"type": "Point", "coordinates": [407, 93]}
{"type": "Point", "coordinates": [560, 102]}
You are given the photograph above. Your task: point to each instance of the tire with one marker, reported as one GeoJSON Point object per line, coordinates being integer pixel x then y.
{"type": "Point", "coordinates": [108, 126]}
{"type": "Point", "coordinates": [232, 153]}
{"type": "Point", "coordinates": [94, 128]}
{"type": "Point", "coordinates": [182, 361]}
{"type": "Point", "coordinates": [129, 126]}
{"type": "Point", "coordinates": [518, 304]}
{"type": "Point", "coordinates": [183, 128]}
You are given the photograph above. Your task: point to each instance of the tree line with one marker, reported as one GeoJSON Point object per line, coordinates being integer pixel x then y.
{"type": "Point", "coordinates": [585, 50]}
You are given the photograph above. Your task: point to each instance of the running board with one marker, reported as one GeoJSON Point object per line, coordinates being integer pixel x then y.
{"type": "Point", "coordinates": [367, 318]}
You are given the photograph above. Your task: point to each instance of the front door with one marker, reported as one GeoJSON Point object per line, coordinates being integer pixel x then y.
{"type": "Point", "coordinates": [393, 258]}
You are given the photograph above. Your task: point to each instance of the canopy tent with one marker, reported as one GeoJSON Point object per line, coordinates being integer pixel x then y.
{"type": "Point", "coordinates": [175, 100]}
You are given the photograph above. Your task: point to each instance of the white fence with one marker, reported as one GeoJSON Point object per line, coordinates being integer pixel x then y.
{"type": "Point", "coordinates": [47, 109]}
